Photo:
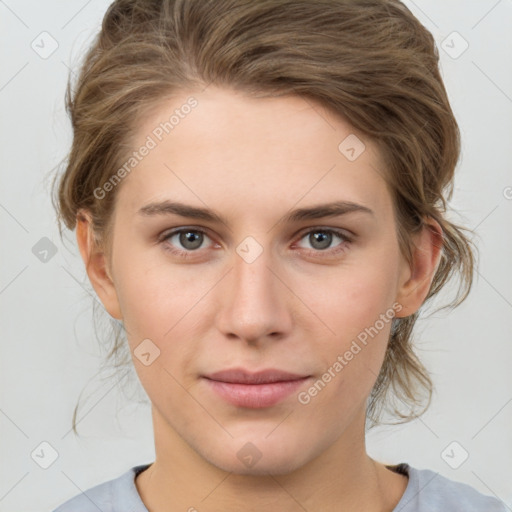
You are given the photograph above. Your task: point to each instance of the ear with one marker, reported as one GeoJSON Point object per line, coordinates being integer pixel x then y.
{"type": "Point", "coordinates": [96, 265]}
{"type": "Point", "coordinates": [418, 275]}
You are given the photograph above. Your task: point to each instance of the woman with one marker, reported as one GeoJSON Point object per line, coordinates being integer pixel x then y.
{"type": "Point", "coordinates": [258, 191]}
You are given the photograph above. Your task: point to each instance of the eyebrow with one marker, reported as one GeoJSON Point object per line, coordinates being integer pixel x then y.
{"type": "Point", "coordinates": [332, 209]}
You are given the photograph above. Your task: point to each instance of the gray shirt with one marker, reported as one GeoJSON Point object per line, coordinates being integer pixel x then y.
{"type": "Point", "coordinates": [426, 491]}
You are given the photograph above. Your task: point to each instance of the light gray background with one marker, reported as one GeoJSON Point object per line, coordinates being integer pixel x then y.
{"type": "Point", "coordinates": [49, 351]}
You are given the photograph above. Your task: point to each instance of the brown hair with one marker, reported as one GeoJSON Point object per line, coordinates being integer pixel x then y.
{"type": "Point", "coordinates": [370, 61]}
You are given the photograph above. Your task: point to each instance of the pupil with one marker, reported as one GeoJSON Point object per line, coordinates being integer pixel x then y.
{"type": "Point", "coordinates": [324, 238]}
{"type": "Point", "coordinates": [188, 238]}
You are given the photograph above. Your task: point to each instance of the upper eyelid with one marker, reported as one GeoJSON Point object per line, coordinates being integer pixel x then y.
{"type": "Point", "coordinates": [339, 231]}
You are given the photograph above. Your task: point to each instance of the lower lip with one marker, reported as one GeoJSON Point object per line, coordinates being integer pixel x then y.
{"type": "Point", "coordinates": [255, 396]}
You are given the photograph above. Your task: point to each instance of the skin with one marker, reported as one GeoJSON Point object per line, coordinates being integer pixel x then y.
{"type": "Point", "coordinates": [296, 307]}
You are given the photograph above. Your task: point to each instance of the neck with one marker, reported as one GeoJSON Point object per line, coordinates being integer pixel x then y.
{"type": "Point", "coordinates": [343, 477]}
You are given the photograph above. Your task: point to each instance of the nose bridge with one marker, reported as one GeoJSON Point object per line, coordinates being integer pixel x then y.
{"type": "Point", "coordinates": [251, 273]}
{"type": "Point", "coordinates": [254, 302]}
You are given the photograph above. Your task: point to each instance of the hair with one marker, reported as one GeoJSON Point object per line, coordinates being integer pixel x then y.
{"type": "Point", "coordinates": [370, 61]}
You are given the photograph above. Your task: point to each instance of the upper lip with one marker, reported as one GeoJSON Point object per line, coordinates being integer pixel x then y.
{"type": "Point", "coordinates": [242, 376]}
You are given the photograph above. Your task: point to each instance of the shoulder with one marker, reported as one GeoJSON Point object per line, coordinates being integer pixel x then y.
{"type": "Point", "coordinates": [429, 491]}
{"type": "Point", "coordinates": [116, 495]}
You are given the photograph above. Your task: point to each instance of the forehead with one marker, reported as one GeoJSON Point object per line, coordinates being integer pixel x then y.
{"type": "Point", "coordinates": [237, 153]}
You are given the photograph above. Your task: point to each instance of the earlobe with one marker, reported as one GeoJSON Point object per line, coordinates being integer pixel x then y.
{"type": "Point", "coordinates": [426, 254]}
{"type": "Point", "coordinates": [95, 264]}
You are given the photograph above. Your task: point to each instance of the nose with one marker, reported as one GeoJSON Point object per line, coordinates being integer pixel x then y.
{"type": "Point", "coordinates": [254, 303]}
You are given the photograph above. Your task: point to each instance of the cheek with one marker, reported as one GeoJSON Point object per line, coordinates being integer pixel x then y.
{"type": "Point", "coordinates": [154, 295]}
{"type": "Point", "coordinates": [358, 309]}
{"type": "Point", "coordinates": [165, 305]}
{"type": "Point", "coordinates": [158, 308]}
{"type": "Point", "coordinates": [351, 299]}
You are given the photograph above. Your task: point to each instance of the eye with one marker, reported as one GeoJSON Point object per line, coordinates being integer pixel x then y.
{"type": "Point", "coordinates": [322, 238]}
{"type": "Point", "coordinates": [191, 239]}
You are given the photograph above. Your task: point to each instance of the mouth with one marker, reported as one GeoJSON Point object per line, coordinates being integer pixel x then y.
{"type": "Point", "coordinates": [254, 390]}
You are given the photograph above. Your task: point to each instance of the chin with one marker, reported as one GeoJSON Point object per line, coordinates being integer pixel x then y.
{"type": "Point", "coordinates": [257, 456]}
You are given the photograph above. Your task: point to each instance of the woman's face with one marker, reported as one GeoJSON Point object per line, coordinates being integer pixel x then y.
{"type": "Point", "coordinates": [270, 286]}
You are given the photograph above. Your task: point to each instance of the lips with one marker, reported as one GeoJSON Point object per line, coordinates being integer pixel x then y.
{"type": "Point", "coordinates": [242, 376]}
{"type": "Point", "coordinates": [257, 390]}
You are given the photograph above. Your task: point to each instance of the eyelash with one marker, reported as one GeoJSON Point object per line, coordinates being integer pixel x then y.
{"type": "Point", "coordinates": [346, 240]}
